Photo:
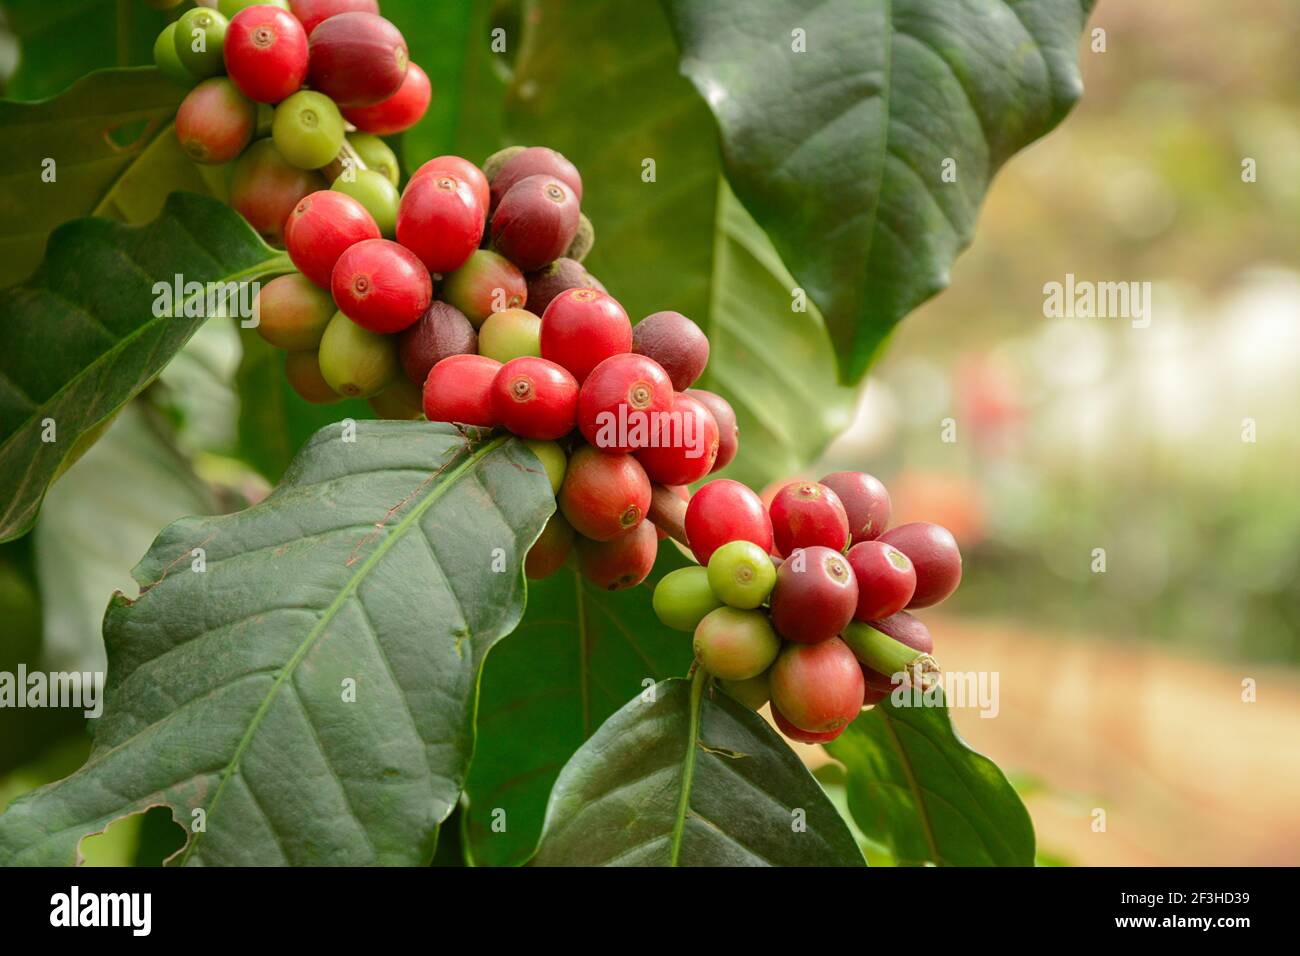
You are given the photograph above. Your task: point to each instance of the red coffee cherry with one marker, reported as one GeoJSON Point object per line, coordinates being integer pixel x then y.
{"type": "Point", "coordinates": [266, 53]}
{"type": "Point", "coordinates": [722, 511]}
{"type": "Point", "coordinates": [357, 59]}
{"type": "Point", "coordinates": [935, 556]}
{"type": "Point", "coordinates": [312, 12]}
{"type": "Point", "coordinates": [886, 579]}
{"type": "Point", "coordinates": [440, 333]}
{"type": "Point", "coordinates": [459, 389]}
{"type": "Point", "coordinates": [905, 629]}
{"type": "Point", "coordinates": [802, 736]}
{"type": "Point", "coordinates": [621, 562]}
{"type": "Point", "coordinates": [264, 188]}
{"type": "Point", "coordinates": [535, 222]}
{"type": "Point", "coordinates": [321, 228]}
{"type": "Point", "coordinates": [381, 286]}
{"type": "Point", "coordinates": [676, 343]}
{"type": "Point", "coordinates": [865, 501]}
{"type": "Point", "coordinates": [560, 276]}
{"type": "Point", "coordinates": [534, 161]}
{"type": "Point", "coordinates": [624, 403]}
{"type": "Point", "coordinates": [815, 596]}
{"type": "Point", "coordinates": [728, 432]}
{"type": "Point", "coordinates": [817, 687]}
{"type": "Point", "coordinates": [400, 111]}
{"type": "Point", "coordinates": [805, 514]}
{"type": "Point", "coordinates": [693, 447]}
{"type": "Point", "coordinates": [459, 168]}
{"type": "Point", "coordinates": [583, 327]}
{"type": "Point", "coordinates": [604, 495]}
{"type": "Point", "coordinates": [486, 283]}
{"type": "Point", "coordinates": [549, 551]}
{"type": "Point", "coordinates": [215, 121]}
{"type": "Point", "coordinates": [535, 398]}
{"type": "Point", "coordinates": [440, 221]}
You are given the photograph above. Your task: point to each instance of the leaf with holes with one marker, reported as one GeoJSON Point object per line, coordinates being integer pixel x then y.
{"type": "Point", "coordinates": [579, 654]}
{"type": "Point", "coordinates": [305, 672]}
{"type": "Point", "coordinates": [690, 778]}
{"type": "Point", "coordinates": [105, 147]}
{"type": "Point", "coordinates": [863, 134]}
{"type": "Point", "coordinates": [82, 337]}
{"type": "Point", "coordinates": [675, 228]}
{"type": "Point", "coordinates": [916, 788]}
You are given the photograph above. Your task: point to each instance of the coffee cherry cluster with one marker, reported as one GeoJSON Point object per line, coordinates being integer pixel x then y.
{"type": "Point", "coordinates": [787, 598]}
{"type": "Point", "coordinates": [296, 93]}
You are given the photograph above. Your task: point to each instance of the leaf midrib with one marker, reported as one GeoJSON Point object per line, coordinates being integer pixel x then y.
{"type": "Point", "coordinates": [449, 480]}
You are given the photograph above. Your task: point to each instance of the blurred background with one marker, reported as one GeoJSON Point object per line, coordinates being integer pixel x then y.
{"type": "Point", "coordinates": [1159, 697]}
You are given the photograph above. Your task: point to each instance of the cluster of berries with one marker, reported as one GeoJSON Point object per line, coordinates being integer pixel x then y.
{"type": "Point", "coordinates": [787, 596]}
{"type": "Point", "coordinates": [297, 94]}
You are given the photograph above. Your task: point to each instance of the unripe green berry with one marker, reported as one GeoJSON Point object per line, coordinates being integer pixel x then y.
{"type": "Point", "coordinates": [683, 597]}
{"type": "Point", "coordinates": [308, 129]}
{"type": "Point", "coordinates": [356, 362]}
{"type": "Point", "coordinates": [753, 692]}
{"type": "Point", "coordinates": [511, 334]}
{"type": "Point", "coordinates": [372, 189]}
{"type": "Point", "coordinates": [553, 460]}
{"type": "Point", "coordinates": [492, 165]}
{"type": "Point", "coordinates": [375, 153]}
{"type": "Point", "coordinates": [741, 574]}
{"type": "Point", "coordinates": [736, 645]}
{"type": "Point", "coordinates": [165, 58]}
{"type": "Point", "coordinates": [583, 240]}
{"type": "Point", "coordinates": [199, 36]}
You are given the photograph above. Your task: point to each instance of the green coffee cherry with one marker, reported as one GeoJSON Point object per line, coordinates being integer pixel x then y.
{"type": "Point", "coordinates": [492, 165]}
{"type": "Point", "coordinates": [374, 152]}
{"type": "Point", "coordinates": [736, 645]}
{"type": "Point", "coordinates": [308, 129]}
{"type": "Point", "coordinates": [553, 460]}
{"type": "Point", "coordinates": [165, 58]}
{"type": "Point", "coordinates": [753, 693]}
{"type": "Point", "coordinates": [583, 240]}
{"type": "Point", "coordinates": [511, 334]}
{"type": "Point", "coordinates": [199, 36]}
{"type": "Point", "coordinates": [372, 189]}
{"type": "Point", "coordinates": [683, 597]}
{"type": "Point", "coordinates": [293, 312]}
{"type": "Point", "coordinates": [356, 362]}
{"type": "Point", "coordinates": [741, 574]}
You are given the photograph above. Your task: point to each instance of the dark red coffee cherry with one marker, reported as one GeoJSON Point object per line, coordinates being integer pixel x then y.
{"type": "Point", "coordinates": [728, 432]}
{"type": "Point", "coordinates": [535, 222]}
{"type": "Point", "coordinates": [692, 447]}
{"type": "Point", "coordinates": [722, 511]}
{"type": "Point", "coordinates": [312, 12]}
{"type": "Point", "coordinates": [621, 562]}
{"type": "Point", "coordinates": [535, 398]}
{"type": "Point", "coordinates": [624, 403]}
{"type": "Point", "coordinates": [802, 736]}
{"type": "Point", "coordinates": [381, 286]}
{"type": "Point", "coordinates": [805, 514]}
{"type": "Point", "coordinates": [459, 389]}
{"type": "Point", "coordinates": [818, 687]}
{"type": "Point", "coordinates": [266, 53]}
{"type": "Point", "coordinates": [265, 187]}
{"type": "Point", "coordinates": [935, 556]}
{"type": "Point", "coordinates": [321, 228]}
{"type": "Point", "coordinates": [459, 168]}
{"type": "Point", "coordinates": [486, 283]}
{"type": "Point", "coordinates": [906, 629]}
{"type": "Point", "coordinates": [440, 220]}
{"type": "Point", "coordinates": [815, 596]}
{"type": "Point", "coordinates": [865, 500]}
{"type": "Point", "coordinates": [583, 327]}
{"type": "Point", "coordinates": [357, 59]}
{"type": "Point", "coordinates": [534, 161]}
{"type": "Point", "coordinates": [886, 579]}
{"type": "Point", "coordinates": [604, 495]}
{"type": "Point", "coordinates": [676, 343]}
{"type": "Point", "coordinates": [560, 276]}
{"type": "Point", "coordinates": [215, 122]}
{"type": "Point", "coordinates": [551, 549]}
{"type": "Point", "coordinates": [400, 111]}
{"type": "Point", "coordinates": [438, 334]}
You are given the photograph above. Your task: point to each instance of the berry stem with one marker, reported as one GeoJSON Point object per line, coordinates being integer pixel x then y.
{"type": "Point", "coordinates": [347, 154]}
{"type": "Point", "coordinates": [887, 656]}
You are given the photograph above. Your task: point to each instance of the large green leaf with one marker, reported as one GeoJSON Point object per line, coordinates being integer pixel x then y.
{"type": "Point", "coordinates": [81, 337]}
{"type": "Point", "coordinates": [578, 656]}
{"type": "Point", "coordinates": [690, 778]}
{"type": "Point", "coordinates": [681, 242]}
{"type": "Point", "coordinates": [916, 788]}
{"type": "Point", "coordinates": [838, 148]}
{"type": "Point", "coordinates": [113, 152]}
{"type": "Point", "coordinates": [388, 564]}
